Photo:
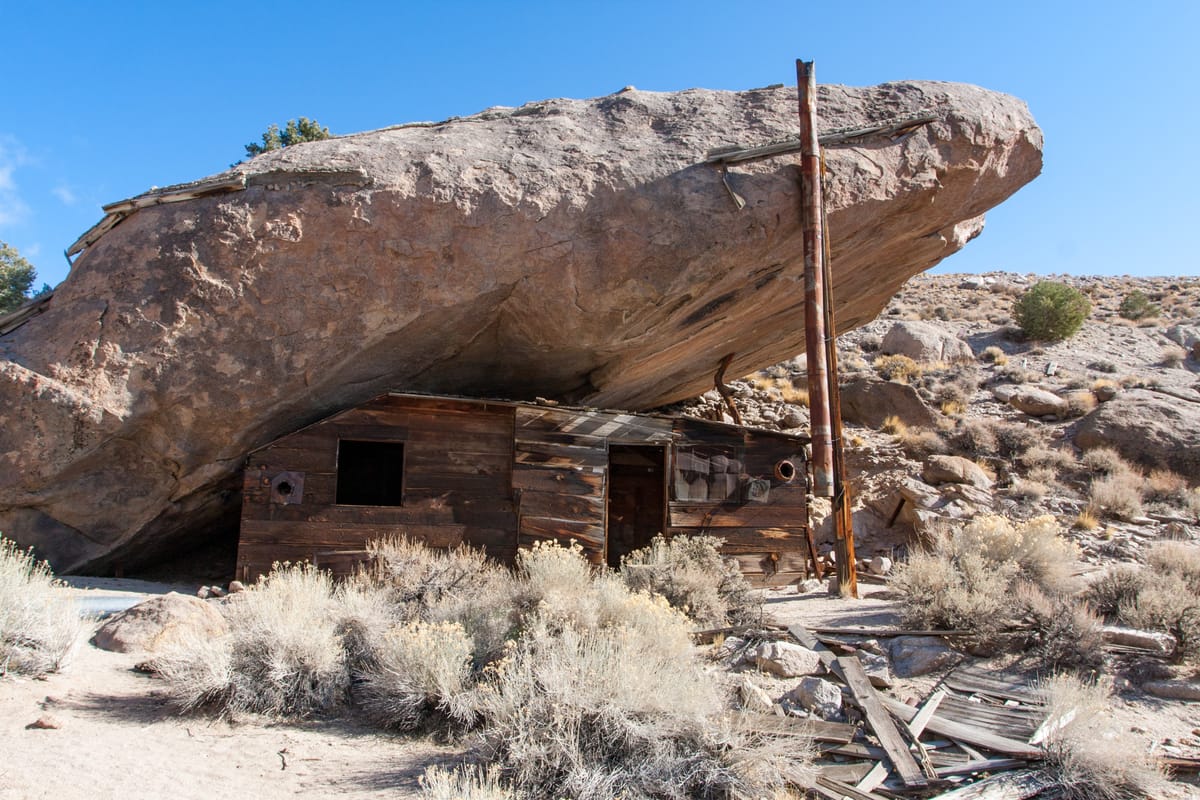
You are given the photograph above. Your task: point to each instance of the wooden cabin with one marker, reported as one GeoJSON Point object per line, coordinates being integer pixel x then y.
{"type": "Point", "coordinates": [502, 475]}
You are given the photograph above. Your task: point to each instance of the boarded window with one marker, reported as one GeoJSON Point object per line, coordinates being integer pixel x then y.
{"type": "Point", "coordinates": [707, 474]}
{"type": "Point", "coordinates": [370, 473]}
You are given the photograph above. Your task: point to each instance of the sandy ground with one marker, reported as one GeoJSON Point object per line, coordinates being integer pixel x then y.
{"type": "Point", "coordinates": [118, 738]}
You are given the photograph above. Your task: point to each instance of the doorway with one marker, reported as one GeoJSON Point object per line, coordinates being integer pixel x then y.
{"type": "Point", "coordinates": [637, 498]}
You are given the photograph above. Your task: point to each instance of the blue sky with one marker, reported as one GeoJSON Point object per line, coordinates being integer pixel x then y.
{"type": "Point", "coordinates": [99, 102]}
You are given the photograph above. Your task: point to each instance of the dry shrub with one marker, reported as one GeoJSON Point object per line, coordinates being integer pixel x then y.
{"type": "Point", "coordinates": [283, 654]}
{"type": "Point", "coordinates": [1080, 403]}
{"type": "Point", "coordinates": [953, 408]}
{"type": "Point", "coordinates": [1015, 438]}
{"type": "Point", "coordinates": [463, 783]}
{"type": "Point", "coordinates": [606, 697]}
{"type": "Point", "coordinates": [1173, 356]}
{"type": "Point", "coordinates": [1086, 521]}
{"type": "Point", "coordinates": [975, 438]}
{"type": "Point", "coordinates": [691, 573]}
{"type": "Point", "coordinates": [1040, 456]}
{"type": "Point", "coordinates": [920, 443]}
{"type": "Point", "coordinates": [966, 578]}
{"type": "Point", "coordinates": [994, 355]}
{"type": "Point", "coordinates": [1118, 495]}
{"type": "Point", "coordinates": [1029, 489]}
{"type": "Point", "coordinates": [1116, 588]}
{"type": "Point", "coordinates": [1165, 596]}
{"type": "Point", "coordinates": [421, 673]}
{"type": "Point", "coordinates": [1093, 757]}
{"type": "Point", "coordinates": [39, 621]}
{"type": "Point", "coordinates": [1167, 488]}
{"type": "Point", "coordinates": [1065, 634]}
{"type": "Point", "coordinates": [458, 585]}
{"type": "Point", "coordinates": [894, 425]}
{"type": "Point", "coordinates": [1105, 461]}
{"type": "Point", "coordinates": [898, 368]}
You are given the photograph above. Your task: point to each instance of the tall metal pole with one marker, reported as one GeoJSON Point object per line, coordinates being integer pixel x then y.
{"type": "Point", "coordinates": [814, 290]}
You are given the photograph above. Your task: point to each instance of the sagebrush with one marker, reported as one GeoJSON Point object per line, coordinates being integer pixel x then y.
{"type": "Point", "coordinates": [1050, 311]}
{"type": "Point", "coordinates": [572, 681]}
{"type": "Point", "coordinates": [39, 621]}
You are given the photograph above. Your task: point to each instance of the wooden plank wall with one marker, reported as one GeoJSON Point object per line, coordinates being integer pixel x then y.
{"type": "Point", "coordinates": [560, 465]}
{"type": "Point", "coordinates": [768, 538]}
{"type": "Point", "coordinates": [457, 488]}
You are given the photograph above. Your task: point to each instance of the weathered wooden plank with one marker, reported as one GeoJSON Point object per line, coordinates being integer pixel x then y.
{"type": "Point", "coordinates": [928, 709]}
{"type": "Point", "coordinates": [986, 765]}
{"type": "Point", "coordinates": [1006, 786]}
{"type": "Point", "coordinates": [691, 515]}
{"type": "Point", "coordinates": [566, 481]}
{"type": "Point", "coordinates": [549, 528]}
{"type": "Point", "coordinates": [756, 540]}
{"type": "Point", "coordinates": [1002, 719]}
{"type": "Point", "coordinates": [965, 733]}
{"type": "Point", "coordinates": [874, 777]}
{"type": "Point", "coordinates": [969, 680]}
{"type": "Point", "coordinates": [790, 564]}
{"type": "Point", "coordinates": [850, 772]}
{"type": "Point", "coordinates": [881, 722]}
{"type": "Point", "coordinates": [527, 452]}
{"type": "Point", "coordinates": [561, 506]}
{"type": "Point", "coordinates": [841, 790]}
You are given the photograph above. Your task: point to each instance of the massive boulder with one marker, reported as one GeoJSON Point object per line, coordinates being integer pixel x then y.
{"type": "Point", "coordinates": [577, 249]}
{"type": "Point", "coordinates": [1153, 429]}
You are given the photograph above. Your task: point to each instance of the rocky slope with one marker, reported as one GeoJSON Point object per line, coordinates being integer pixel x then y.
{"type": "Point", "coordinates": [576, 249]}
{"type": "Point", "coordinates": [1101, 430]}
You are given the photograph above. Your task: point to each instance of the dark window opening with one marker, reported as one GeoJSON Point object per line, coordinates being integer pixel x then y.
{"type": "Point", "coordinates": [370, 473]}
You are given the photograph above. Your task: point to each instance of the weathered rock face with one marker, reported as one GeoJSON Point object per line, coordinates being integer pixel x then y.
{"type": "Point", "coordinates": [1155, 430]}
{"type": "Point", "coordinates": [574, 249]}
{"type": "Point", "coordinates": [870, 402]}
{"type": "Point", "coordinates": [923, 342]}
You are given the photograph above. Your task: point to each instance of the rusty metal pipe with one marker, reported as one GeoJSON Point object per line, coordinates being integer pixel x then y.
{"type": "Point", "coordinates": [814, 283]}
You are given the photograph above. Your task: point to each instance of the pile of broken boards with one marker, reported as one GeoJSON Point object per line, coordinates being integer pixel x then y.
{"type": "Point", "coordinates": [976, 736]}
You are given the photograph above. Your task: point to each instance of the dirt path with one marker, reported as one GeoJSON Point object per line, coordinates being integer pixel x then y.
{"type": "Point", "coordinates": [119, 739]}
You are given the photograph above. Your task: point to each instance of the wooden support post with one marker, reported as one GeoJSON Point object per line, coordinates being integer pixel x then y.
{"type": "Point", "coordinates": [814, 291]}
{"type": "Point", "coordinates": [843, 516]}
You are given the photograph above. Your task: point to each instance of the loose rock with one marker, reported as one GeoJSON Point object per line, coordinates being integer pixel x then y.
{"type": "Point", "coordinates": [913, 656]}
{"type": "Point", "coordinates": [158, 622]}
{"type": "Point", "coordinates": [818, 696]}
{"type": "Point", "coordinates": [955, 469]}
{"type": "Point", "coordinates": [923, 342]}
{"type": "Point", "coordinates": [1037, 402]}
{"type": "Point", "coordinates": [787, 660]}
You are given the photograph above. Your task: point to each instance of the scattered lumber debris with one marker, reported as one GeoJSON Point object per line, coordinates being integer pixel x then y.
{"type": "Point", "coordinates": [975, 736]}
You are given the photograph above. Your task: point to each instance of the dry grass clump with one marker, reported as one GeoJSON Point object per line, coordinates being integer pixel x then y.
{"type": "Point", "coordinates": [920, 443]}
{"type": "Point", "coordinates": [1030, 489]}
{"type": "Point", "coordinates": [1173, 356]}
{"type": "Point", "coordinates": [421, 673]}
{"type": "Point", "coordinates": [283, 655]}
{"type": "Point", "coordinates": [1104, 461]}
{"type": "Point", "coordinates": [966, 578]}
{"type": "Point", "coordinates": [606, 698]}
{"type": "Point", "coordinates": [464, 783]}
{"type": "Point", "coordinates": [994, 355]}
{"type": "Point", "coordinates": [1040, 456]}
{"type": "Point", "coordinates": [1080, 403]}
{"type": "Point", "coordinates": [1064, 634]}
{"type": "Point", "coordinates": [695, 578]}
{"type": "Point", "coordinates": [39, 622]}
{"type": "Point", "coordinates": [976, 438]}
{"type": "Point", "coordinates": [898, 368]}
{"type": "Point", "coordinates": [1117, 495]}
{"type": "Point", "coordinates": [1092, 757]}
{"type": "Point", "coordinates": [894, 425]}
{"type": "Point", "coordinates": [1165, 596]}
